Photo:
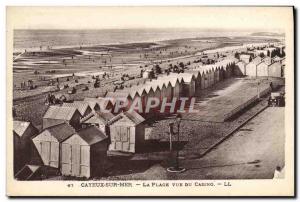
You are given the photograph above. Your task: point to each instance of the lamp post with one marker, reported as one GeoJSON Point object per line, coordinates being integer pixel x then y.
{"type": "Point", "coordinates": [258, 90]}
{"type": "Point", "coordinates": [176, 168]}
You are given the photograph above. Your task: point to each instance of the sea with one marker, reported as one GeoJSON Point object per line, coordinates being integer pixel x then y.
{"type": "Point", "coordinates": [32, 39]}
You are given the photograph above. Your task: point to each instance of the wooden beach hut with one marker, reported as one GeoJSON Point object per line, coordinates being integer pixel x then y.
{"type": "Point", "coordinates": [216, 75]}
{"type": "Point", "coordinates": [56, 115]}
{"type": "Point", "coordinates": [189, 86]}
{"type": "Point", "coordinates": [98, 119]}
{"type": "Point", "coordinates": [119, 97]}
{"type": "Point", "coordinates": [251, 68]}
{"type": "Point", "coordinates": [83, 107]}
{"type": "Point", "coordinates": [127, 132]}
{"type": "Point", "coordinates": [22, 133]}
{"type": "Point", "coordinates": [100, 103]}
{"type": "Point", "coordinates": [262, 69]}
{"type": "Point", "coordinates": [197, 75]}
{"type": "Point", "coordinates": [84, 153]}
{"type": "Point", "coordinates": [275, 69]}
{"type": "Point", "coordinates": [240, 68]}
{"type": "Point", "coordinates": [48, 143]}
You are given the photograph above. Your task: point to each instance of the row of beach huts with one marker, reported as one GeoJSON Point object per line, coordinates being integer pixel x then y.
{"type": "Point", "coordinates": [77, 137]}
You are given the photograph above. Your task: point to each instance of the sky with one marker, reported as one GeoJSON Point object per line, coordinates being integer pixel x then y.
{"type": "Point", "coordinates": [249, 18]}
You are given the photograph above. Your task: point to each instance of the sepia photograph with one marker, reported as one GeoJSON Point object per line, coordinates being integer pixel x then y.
{"type": "Point", "coordinates": [122, 101]}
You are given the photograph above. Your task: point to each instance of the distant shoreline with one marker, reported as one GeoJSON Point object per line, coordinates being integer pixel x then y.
{"type": "Point", "coordinates": [160, 43]}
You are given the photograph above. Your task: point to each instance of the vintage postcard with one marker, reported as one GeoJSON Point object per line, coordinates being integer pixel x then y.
{"type": "Point", "coordinates": [150, 101]}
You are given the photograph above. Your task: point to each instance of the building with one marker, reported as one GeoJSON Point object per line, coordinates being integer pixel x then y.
{"type": "Point", "coordinates": [35, 172]}
{"type": "Point", "coordinates": [56, 115]}
{"type": "Point", "coordinates": [262, 69]}
{"type": "Point", "coordinates": [276, 59]}
{"type": "Point", "coordinates": [270, 51]}
{"type": "Point", "coordinates": [276, 70]}
{"type": "Point", "coordinates": [48, 143]}
{"type": "Point", "coordinates": [267, 60]}
{"type": "Point", "coordinates": [246, 58]}
{"type": "Point", "coordinates": [260, 52]}
{"type": "Point", "coordinates": [257, 59]}
{"type": "Point", "coordinates": [99, 103]}
{"type": "Point", "coordinates": [251, 68]}
{"type": "Point", "coordinates": [127, 132]}
{"type": "Point", "coordinates": [118, 98]}
{"type": "Point", "coordinates": [98, 119]}
{"type": "Point", "coordinates": [84, 153]}
{"type": "Point", "coordinates": [22, 134]}
{"type": "Point", "coordinates": [240, 68]}
{"type": "Point", "coordinates": [82, 107]}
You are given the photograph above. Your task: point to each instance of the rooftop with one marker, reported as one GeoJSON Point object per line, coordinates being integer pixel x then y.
{"type": "Point", "coordinates": [61, 131]}
{"type": "Point", "coordinates": [60, 113]}
{"type": "Point", "coordinates": [91, 135]}
{"type": "Point", "coordinates": [80, 105]}
{"type": "Point", "coordinates": [20, 127]}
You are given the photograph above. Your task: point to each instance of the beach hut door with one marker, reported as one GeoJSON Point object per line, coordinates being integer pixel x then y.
{"type": "Point", "coordinates": [45, 152]}
{"type": "Point", "coordinates": [66, 168]}
{"type": "Point", "coordinates": [75, 160]}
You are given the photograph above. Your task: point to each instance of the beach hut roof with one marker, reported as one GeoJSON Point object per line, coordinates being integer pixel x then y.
{"type": "Point", "coordinates": [102, 102]}
{"type": "Point", "coordinates": [91, 135]}
{"type": "Point", "coordinates": [187, 77]}
{"type": "Point", "coordinates": [20, 127]}
{"type": "Point", "coordinates": [117, 94]}
{"type": "Point", "coordinates": [80, 105]}
{"type": "Point", "coordinates": [277, 57]}
{"type": "Point", "coordinates": [27, 172]}
{"type": "Point", "coordinates": [61, 131]}
{"type": "Point", "coordinates": [274, 63]}
{"type": "Point", "coordinates": [241, 62]}
{"type": "Point", "coordinates": [132, 115]}
{"type": "Point", "coordinates": [95, 117]}
{"type": "Point", "coordinates": [195, 72]}
{"type": "Point", "coordinates": [246, 56]}
{"type": "Point", "coordinates": [147, 87]}
{"type": "Point", "coordinates": [256, 60]}
{"type": "Point", "coordinates": [61, 113]}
